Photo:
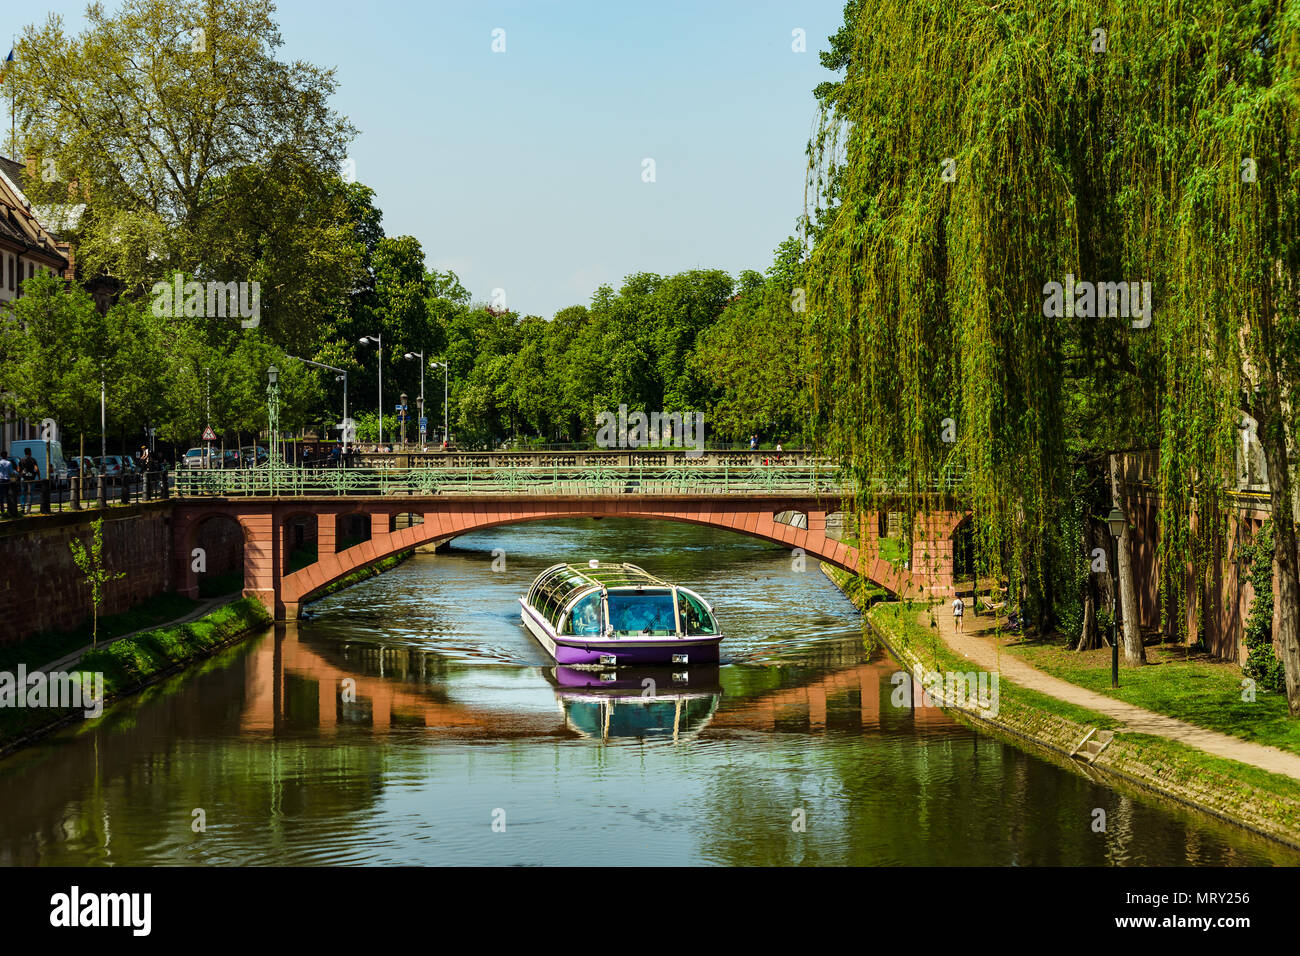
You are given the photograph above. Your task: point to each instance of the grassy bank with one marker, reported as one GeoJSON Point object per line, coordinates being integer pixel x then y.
{"type": "Point", "coordinates": [1178, 682]}
{"type": "Point", "coordinates": [1256, 799]}
{"type": "Point", "coordinates": [135, 661]}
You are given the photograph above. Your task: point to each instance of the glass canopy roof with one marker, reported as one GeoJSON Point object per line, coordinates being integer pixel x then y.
{"type": "Point", "coordinates": [554, 587]}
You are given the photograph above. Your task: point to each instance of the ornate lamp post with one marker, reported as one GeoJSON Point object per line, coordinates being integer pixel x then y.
{"type": "Point", "coordinates": [273, 419]}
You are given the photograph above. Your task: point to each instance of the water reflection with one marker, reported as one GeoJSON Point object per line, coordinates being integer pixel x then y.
{"type": "Point", "coordinates": [392, 725]}
{"type": "Point", "coordinates": [642, 703]}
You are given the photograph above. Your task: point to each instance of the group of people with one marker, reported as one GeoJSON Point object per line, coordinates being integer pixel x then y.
{"type": "Point", "coordinates": [18, 479]}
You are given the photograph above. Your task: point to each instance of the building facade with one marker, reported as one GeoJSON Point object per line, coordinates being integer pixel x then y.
{"type": "Point", "coordinates": [27, 249]}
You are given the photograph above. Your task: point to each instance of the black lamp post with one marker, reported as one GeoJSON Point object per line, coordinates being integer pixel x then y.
{"type": "Point", "coordinates": [1116, 522]}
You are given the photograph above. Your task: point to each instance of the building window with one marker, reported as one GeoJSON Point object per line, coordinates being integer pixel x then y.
{"type": "Point", "coordinates": [11, 273]}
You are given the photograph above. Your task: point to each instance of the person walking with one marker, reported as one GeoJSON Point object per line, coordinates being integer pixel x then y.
{"type": "Point", "coordinates": [28, 472]}
{"type": "Point", "coordinates": [753, 443]}
{"type": "Point", "coordinates": [958, 609]}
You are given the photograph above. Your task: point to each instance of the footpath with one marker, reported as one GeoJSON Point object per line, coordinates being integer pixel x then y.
{"type": "Point", "coordinates": [977, 643]}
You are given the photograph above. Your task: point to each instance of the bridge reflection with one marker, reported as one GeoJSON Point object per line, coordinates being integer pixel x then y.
{"type": "Point", "coordinates": [298, 685]}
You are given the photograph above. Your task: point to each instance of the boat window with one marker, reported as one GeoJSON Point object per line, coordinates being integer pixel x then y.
{"type": "Point", "coordinates": [585, 617]}
{"type": "Point", "coordinates": [698, 618]}
{"type": "Point", "coordinates": [641, 612]}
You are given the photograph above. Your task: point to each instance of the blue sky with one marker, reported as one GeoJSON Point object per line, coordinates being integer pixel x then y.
{"type": "Point", "coordinates": [522, 170]}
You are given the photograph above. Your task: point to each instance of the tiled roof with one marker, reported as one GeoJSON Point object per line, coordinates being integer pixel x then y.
{"type": "Point", "coordinates": [19, 226]}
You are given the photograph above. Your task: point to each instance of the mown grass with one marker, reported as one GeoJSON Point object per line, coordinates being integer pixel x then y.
{"type": "Point", "coordinates": [1184, 761]}
{"type": "Point", "coordinates": [1178, 683]}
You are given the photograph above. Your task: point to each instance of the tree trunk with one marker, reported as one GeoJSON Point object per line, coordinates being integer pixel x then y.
{"type": "Point", "coordinates": [1134, 652]}
{"type": "Point", "coordinates": [1088, 636]}
{"type": "Point", "coordinates": [1131, 638]}
{"type": "Point", "coordinates": [1286, 602]}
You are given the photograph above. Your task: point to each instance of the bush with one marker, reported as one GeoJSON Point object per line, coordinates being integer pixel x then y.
{"type": "Point", "coordinates": [1261, 663]}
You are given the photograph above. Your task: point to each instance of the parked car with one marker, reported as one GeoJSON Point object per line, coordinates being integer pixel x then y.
{"type": "Point", "coordinates": [110, 466]}
{"type": "Point", "coordinates": [79, 466]}
{"type": "Point", "coordinates": [197, 458]}
{"type": "Point", "coordinates": [230, 458]}
{"type": "Point", "coordinates": [253, 455]}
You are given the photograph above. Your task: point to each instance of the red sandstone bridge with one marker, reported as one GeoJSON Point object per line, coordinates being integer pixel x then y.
{"type": "Point", "coordinates": [359, 516]}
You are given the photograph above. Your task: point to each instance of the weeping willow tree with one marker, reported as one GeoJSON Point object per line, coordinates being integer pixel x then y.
{"type": "Point", "coordinates": [972, 154]}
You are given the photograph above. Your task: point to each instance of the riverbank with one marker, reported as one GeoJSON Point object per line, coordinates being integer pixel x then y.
{"type": "Point", "coordinates": [1089, 742]}
{"type": "Point", "coordinates": [132, 663]}
{"type": "Point", "coordinates": [135, 661]}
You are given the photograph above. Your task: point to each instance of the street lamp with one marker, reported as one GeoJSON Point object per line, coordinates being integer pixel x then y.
{"type": "Point", "coordinates": [443, 366]}
{"type": "Point", "coordinates": [341, 377]}
{"type": "Point", "coordinates": [378, 340]}
{"type": "Point", "coordinates": [1116, 522]}
{"type": "Point", "coordinates": [420, 356]}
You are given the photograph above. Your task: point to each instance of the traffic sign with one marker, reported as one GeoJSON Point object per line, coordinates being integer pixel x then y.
{"type": "Point", "coordinates": [209, 434]}
{"type": "Point", "coordinates": [424, 424]}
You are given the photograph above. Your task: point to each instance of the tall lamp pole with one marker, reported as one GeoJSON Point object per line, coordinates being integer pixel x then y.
{"type": "Point", "coordinates": [1116, 522]}
{"type": "Point", "coordinates": [379, 340]}
{"type": "Point", "coordinates": [341, 377]}
{"type": "Point", "coordinates": [420, 356]}
{"type": "Point", "coordinates": [443, 366]}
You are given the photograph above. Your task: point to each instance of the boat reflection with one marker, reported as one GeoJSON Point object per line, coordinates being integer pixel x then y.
{"type": "Point", "coordinates": [643, 702]}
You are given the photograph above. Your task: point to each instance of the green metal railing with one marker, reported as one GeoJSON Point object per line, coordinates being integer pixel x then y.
{"type": "Point", "coordinates": [289, 481]}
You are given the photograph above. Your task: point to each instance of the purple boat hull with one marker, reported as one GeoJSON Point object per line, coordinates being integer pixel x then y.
{"type": "Point", "coordinates": [622, 652]}
{"type": "Point", "coordinates": [629, 653]}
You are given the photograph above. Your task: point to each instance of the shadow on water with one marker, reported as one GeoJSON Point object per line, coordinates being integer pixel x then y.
{"type": "Point", "coordinates": [409, 714]}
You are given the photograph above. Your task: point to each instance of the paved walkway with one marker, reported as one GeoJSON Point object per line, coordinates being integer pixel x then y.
{"type": "Point", "coordinates": [977, 643]}
{"type": "Point", "coordinates": [70, 660]}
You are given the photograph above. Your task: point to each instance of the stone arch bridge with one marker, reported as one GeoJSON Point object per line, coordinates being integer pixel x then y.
{"type": "Point", "coordinates": [785, 505]}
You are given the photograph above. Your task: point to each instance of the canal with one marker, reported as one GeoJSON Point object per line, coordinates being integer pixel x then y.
{"type": "Point", "coordinates": [411, 720]}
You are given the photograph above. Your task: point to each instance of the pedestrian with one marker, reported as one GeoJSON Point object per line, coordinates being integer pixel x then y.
{"type": "Point", "coordinates": [778, 452]}
{"type": "Point", "coordinates": [28, 472]}
{"type": "Point", "coordinates": [958, 608]}
{"type": "Point", "coordinates": [8, 485]}
{"type": "Point", "coordinates": [753, 442]}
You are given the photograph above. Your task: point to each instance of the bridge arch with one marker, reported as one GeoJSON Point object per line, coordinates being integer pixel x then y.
{"type": "Point", "coordinates": [444, 518]}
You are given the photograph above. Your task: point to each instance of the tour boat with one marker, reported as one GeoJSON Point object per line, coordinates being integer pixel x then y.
{"type": "Point", "coordinates": [615, 615]}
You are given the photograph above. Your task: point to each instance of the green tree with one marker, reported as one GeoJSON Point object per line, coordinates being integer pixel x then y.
{"type": "Point", "coordinates": [141, 116]}
{"type": "Point", "coordinates": [90, 561]}
{"type": "Point", "coordinates": [951, 188]}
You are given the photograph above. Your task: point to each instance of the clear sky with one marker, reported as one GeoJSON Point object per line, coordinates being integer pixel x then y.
{"type": "Point", "coordinates": [523, 170]}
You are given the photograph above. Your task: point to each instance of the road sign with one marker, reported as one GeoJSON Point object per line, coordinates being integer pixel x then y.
{"type": "Point", "coordinates": [424, 424]}
{"type": "Point", "coordinates": [209, 434]}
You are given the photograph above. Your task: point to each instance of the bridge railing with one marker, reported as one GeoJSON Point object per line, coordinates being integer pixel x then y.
{"type": "Point", "coordinates": [285, 481]}
{"type": "Point", "coordinates": [508, 481]}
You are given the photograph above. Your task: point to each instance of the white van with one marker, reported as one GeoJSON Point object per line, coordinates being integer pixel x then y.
{"type": "Point", "coordinates": [58, 466]}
